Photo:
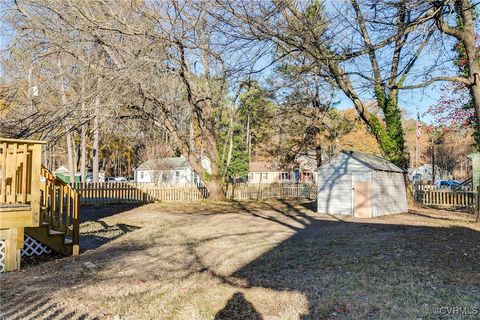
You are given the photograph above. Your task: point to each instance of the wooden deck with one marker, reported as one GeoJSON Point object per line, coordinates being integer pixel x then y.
{"type": "Point", "coordinates": [33, 200]}
{"type": "Point", "coordinates": [19, 195]}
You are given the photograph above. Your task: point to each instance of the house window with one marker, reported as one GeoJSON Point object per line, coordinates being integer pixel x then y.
{"type": "Point", "coordinates": [177, 174]}
{"type": "Point", "coordinates": [284, 176]}
{"type": "Point", "coordinates": [250, 176]}
{"type": "Point", "coordinates": [141, 174]}
{"type": "Point", "coordinates": [263, 176]}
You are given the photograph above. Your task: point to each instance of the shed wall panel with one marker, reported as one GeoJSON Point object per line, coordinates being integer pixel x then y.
{"type": "Point", "coordinates": [389, 193]}
{"type": "Point", "coordinates": [334, 193]}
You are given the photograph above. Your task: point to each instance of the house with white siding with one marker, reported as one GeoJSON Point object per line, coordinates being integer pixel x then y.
{"type": "Point", "coordinates": [175, 171]}
{"type": "Point", "coordinates": [361, 185]}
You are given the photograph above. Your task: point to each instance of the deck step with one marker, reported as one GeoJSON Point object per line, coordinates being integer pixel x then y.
{"type": "Point", "coordinates": [55, 233]}
{"type": "Point", "coordinates": [4, 207]}
{"type": "Point", "coordinates": [56, 240]}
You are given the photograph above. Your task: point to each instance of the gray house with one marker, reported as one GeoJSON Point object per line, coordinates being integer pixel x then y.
{"type": "Point", "coordinates": [361, 185]}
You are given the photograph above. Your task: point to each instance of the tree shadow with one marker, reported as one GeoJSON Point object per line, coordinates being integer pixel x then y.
{"type": "Point", "coordinates": [102, 233]}
{"type": "Point", "coordinates": [337, 264]}
{"type": "Point", "coordinates": [345, 269]}
{"type": "Point", "coordinates": [96, 212]}
{"type": "Point", "coordinates": [37, 306]}
{"type": "Point", "coordinates": [238, 307]}
{"type": "Point", "coordinates": [94, 232]}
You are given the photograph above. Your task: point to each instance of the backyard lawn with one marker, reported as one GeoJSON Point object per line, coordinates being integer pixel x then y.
{"type": "Point", "coordinates": [249, 260]}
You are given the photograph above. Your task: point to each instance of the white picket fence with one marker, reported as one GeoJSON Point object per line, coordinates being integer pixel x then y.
{"type": "Point", "coordinates": [431, 195]}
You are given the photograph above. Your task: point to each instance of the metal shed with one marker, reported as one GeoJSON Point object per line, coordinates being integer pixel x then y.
{"type": "Point", "coordinates": [361, 185]}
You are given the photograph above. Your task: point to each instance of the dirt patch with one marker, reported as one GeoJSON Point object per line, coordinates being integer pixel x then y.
{"type": "Point", "coordinates": [248, 260]}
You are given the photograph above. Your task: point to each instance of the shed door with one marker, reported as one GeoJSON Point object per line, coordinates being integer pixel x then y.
{"type": "Point", "coordinates": [362, 195]}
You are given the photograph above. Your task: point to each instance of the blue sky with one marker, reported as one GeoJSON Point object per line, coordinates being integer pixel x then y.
{"type": "Point", "coordinates": [409, 100]}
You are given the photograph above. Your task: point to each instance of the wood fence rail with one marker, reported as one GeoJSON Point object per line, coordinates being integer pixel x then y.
{"type": "Point", "coordinates": [136, 192]}
{"type": "Point", "coordinates": [133, 192]}
{"type": "Point", "coordinates": [243, 191]}
{"type": "Point", "coordinates": [446, 198]}
{"type": "Point", "coordinates": [425, 187]}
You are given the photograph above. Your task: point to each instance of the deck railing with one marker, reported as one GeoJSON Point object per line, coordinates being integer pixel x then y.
{"type": "Point", "coordinates": [60, 207]}
{"type": "Point", "coordinates": [20, 162]}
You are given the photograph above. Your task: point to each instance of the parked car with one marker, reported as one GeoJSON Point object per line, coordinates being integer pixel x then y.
{"type": "Point", "coordinates": [446, 184]}
{"type": "Point", "coordinates": [110, 179]}
{"type": "Point", "coordinates": [89, 177]}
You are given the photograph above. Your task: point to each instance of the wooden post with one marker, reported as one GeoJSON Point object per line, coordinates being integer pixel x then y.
{"type": "Point", "coordinates": [24, 173]}
{"type": "Point", "coordinates": [12, 252]}
{"type": "Point", "coordinates": [477, 206]}
{"type": "Point", "coordinates": [35, 184]}
{"type": "Point", "coordinates": [13, 174]}
{"type": "Point", "coordinates": [76, 226]}
{"type": "Point", "coordinates": [3, 188]}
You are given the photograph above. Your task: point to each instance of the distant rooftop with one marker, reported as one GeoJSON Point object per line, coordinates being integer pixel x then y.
{"type": "Point", "coordinates": [372, 161]}
{"type": "Point", "coordinates": [264, 166]}
{"type": "Point", "coordinates": [165, 164]}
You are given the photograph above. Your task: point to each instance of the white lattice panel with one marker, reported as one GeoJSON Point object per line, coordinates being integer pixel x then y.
{"type": "Point", "coordinates": [2, 255]}
{"type": "Point", "coordinates": [32, 247]}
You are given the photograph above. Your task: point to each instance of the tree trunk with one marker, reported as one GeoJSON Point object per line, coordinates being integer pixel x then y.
{"type": "Point", "coordinates": [83, 137]}
{"type": "Point", "coordinates": [71, 165]}
{"type": "Point", "coordinates": [215, 189]}
{"type": "Point", "coordinates": [96, 135]}
{"type": "Point", "coordinates": [468, 37]}
{"type": "Point", "coordinates": [213, 182]}
{"type": "Point", "coordinates": [249, 140]}
{"type": "Point", "coordinates": [71, 161]}
{"type": "Point", "coordinates": [318, 155]}
{"type": "Point", "coordinates": [191, 135]}
{"type": "Point", "coordinates": [230, 143]}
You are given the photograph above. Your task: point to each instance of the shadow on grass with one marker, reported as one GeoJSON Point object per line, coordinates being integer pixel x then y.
{"type": "Point", "coordinates": [38, 307]}
{"type": "Point", "coordinates": [238, 307]}
{"type": "Point", "coordinates": [94, 232]}
{"type": "Point", "coordinates": [368, 269]}
{"type": "Point", "coordinates": [96, 212]}
{"type": "Point", "coordinates": [344, 269]}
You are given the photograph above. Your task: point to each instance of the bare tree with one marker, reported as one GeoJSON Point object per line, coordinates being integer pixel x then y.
{"type": "Point", "coordinates": [344, 47]}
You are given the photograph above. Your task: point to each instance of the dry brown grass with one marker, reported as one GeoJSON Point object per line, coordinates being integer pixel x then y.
{"type": "Point", "coordinates": [271, 260]}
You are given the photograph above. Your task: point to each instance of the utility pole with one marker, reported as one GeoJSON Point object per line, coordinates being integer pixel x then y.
{"type": "Point", "coordinates": [433, 161]}
{"type": "Point", "coordinates": [418, 134]}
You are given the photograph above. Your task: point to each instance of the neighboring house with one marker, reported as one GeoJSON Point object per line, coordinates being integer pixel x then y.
{"type": "Point", "coordinates": [170, 171]}
{"type": "Point", "coordinates": [267, 172]}
{"type": "Point", "coordinates": [475, 158]}
{"type": "Point", "coordinates": [64, 174]}
{"type": "Point", "coordinates": [361, 185]}
{"type": "Point", "coordinates": [424, 174]}
{"type": "Point", "coordinates": [306, 167]}
{"type": "Point", "coordinates": [272, 172]}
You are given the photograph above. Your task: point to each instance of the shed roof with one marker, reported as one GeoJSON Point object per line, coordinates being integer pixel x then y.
{"type": "Point", "coordinates": [372, 161]}
{"type": "Point", "coordinates": [61, 169]}
{"type": "Point", "coordinates": [165, 164]}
